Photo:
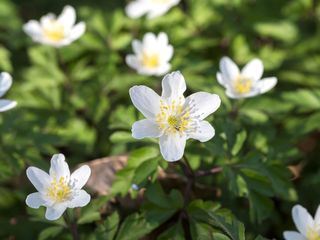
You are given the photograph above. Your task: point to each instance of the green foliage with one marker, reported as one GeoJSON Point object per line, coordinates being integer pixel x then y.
{"type": "Point", "coordinates": [75, 100]}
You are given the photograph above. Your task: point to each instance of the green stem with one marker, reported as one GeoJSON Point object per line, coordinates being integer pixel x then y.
{"type": "Point", "coordinates": [188, 166]}
{"type": "Point", "coordinates": [236, 105]}
{"type": "Point", "coordinates": [72, 225]}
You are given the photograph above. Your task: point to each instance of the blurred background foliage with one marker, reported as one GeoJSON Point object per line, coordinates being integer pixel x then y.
{"type": "Point", "coordinates": [75, 100]}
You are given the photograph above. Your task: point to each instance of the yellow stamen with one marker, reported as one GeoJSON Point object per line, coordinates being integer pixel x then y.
{"type": "Point", "coordinates": [312, 234]}
{"type": "Point", "coordinates": [59, 191]}
{"type": "Point", "coordinates": [242, 85]}
{"type": "Point", "coordinates": [150, 60]}
{"type": "Point", "coordinates": [54, 31]}
{"type": "Point", "coordinates": [173, 118]}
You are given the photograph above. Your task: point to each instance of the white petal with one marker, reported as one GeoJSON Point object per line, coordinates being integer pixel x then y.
{"type": "Point", "coordinates": [55, 212]}
{"type": "Point", "coordinates": [253, 69]}
{"type": "Point", "coordinates": [160, 8]}
{"type": "Point", "coordinates": [221, 79]}
{"type": "Point", "coordinates": [77, 31]}
{"type": "Point", "coordinates": [47, 19]}
{"type": "Point", "coordinates": [317, 216]}
{"type": "Point", "coordinates": [172, 146]}
{"type": "Point", "coordinates": [33, 29]}
{"type": "Point", "coordinates": [146, 128]}
{"type": "Point", "coordinates": [145, 100]}
{"type": "Point", "coordinates": [166, 53]}
{"type": "Point", "coordinates": [5, 82]}
{"type": "Point", "coordinates": [173, 85]}
{"type": "Point", "coordinates": [39, 178]}
{"type": "Point", "coordinates": [132, 61]}
{"type": "Point", "coordinates": [163, 39]}
{"type": "Point", "coordinates": [291, 235]}
{"type": "Point", "coordinates": [266, 84]}
{"type": "Point", "coordinates": [67, 17]}
{"type": "Point", "coordinates": [80, 200]}
{"type": "Point", "coordinates": [302, 219]}
{"type": "Point", "coordinates": [136, 9]}
{"type": "Point", "coordinates": [80, 176]}
{"type": "Point", "coordinates": [158, 11]}
{"type": "Point", "coordinates": [35, 200]}
{"type": "Point", "coordinates": [231, 94]}
{"type": "Point", "coordinates": [202, 104]}
{"type": "Point", "coordinates": [6, 105]}
{"type": "Point", "coordinates": [228, 69]}
{"type": "Point", "coordinates": [158, 71]}
{"type": "Point", "coordinates": [163, 69]}
{"type": "Point", "coordinates": [137, 47]}
{"type": "Point", "coordinates": [204, 132]}
{"type": "Point", "coordinates": [59, 168]}
{"type": "Point", "coordinates": [149, 39]}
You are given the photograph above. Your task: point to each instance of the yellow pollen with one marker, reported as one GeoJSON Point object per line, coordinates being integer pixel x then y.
{"type": "Point", "coordinates": [150, 60]}
{"type": "Point", "coordinates": [313, 235]}
{"type": "Point", "coordinates": [242, 85]}
{"type": "Point", "coordinates": [59, 191]}
{"type": "Point", "coordinates": [173, 122]}
{"type": "Point", "coordinates": [173, 118]}
{"type": "Point", "coordinates": [54, 31]}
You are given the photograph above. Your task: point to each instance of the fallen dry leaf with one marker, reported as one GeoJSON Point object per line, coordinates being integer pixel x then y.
{"type": "Point", "coordinates": [103, 172]}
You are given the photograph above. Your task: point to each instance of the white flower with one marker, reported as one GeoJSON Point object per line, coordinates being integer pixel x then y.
{"type": "Point", "coordinates": [56, 31]}
{"type": "Point", "coordinates": [152, 55]}
{"type": "Point", "coordinates": [153, 8]}
{"type": "Point", "coordinates": [308, 227]}
{"type": "Point", "coordinates": [58, 190]}
{"type": "Point", "coordinates": [5, 84]}
{"type": "Point", "coordinates": [246, 83]}
{"type": "Point", "coordinates": [171, 117]}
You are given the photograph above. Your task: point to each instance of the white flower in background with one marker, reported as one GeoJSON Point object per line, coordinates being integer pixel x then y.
{"type": "Point", "coordinates": [245, 83]}
{"type": "Point", "coordinates": [153, 8]}
{"type": "Point", "coordinates": [152, 55]}
{"type": "Point", "coordinates": [5, 84]}
{"type": "Point", "coordinates": [58, 190]}
{"type": "Point", "coordinates": [308, 227]}
{"type": "Point", "coordinates": [56, 31]}
{"type": "Point", "coordinates": [171, 117]}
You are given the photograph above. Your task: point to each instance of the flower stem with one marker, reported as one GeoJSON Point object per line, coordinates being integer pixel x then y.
{"type": "Point", "coordinates": [72, 225]}
{"type": "Point", "coordinates": [189, 171]}
{"type": "Point", "coordinates": [211, 171]}
{"type": "Point", "coordinates": [236, 104]}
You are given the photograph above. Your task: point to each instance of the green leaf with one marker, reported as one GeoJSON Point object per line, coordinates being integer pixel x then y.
{"type": "Point", "coordinates": [260, 206]}
{"type": "Point", "coordinates": [282, 30]}
{"type": "Point", "coordinates": [5, 63]}
{"type": "Point", "coordinates": [145, 170]}
{"type": "Point", "coordinates": [108, 228]}
{"type": "Point", "coordinates": [89, 217]}
{"type": "Point", "coordinates": [260, 238]}
{"type": "Point", "coordinates": [134, 227]}
{"type": "Point", "coordinates": [50, 232]}
{"type": "Point", "coordinates": [241, 137]}
{"type": "Point", "coordinates": [156, 195]}
{"type": "Point", "coordinates": [219, 219]}
{"type": "Point", "coordinates": [173, 233]}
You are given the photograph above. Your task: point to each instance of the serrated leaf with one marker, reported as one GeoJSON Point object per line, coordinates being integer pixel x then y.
{"type": "Point", "coordinates": [50, 232]}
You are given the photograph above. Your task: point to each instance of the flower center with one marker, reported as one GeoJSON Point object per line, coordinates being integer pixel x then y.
{"type": "Point", "coordinates": [54, 31]}
{"type": "Point", "coordinates": [312, 234]}
{"type": "Point", "coordinates": [59, 191]}
{"type": "Point", "coordinates": [242, 85]}
{"type": "Point", "coordinates": [173, 118]}
{"type": "Point", "coordinates": [150, 60]}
